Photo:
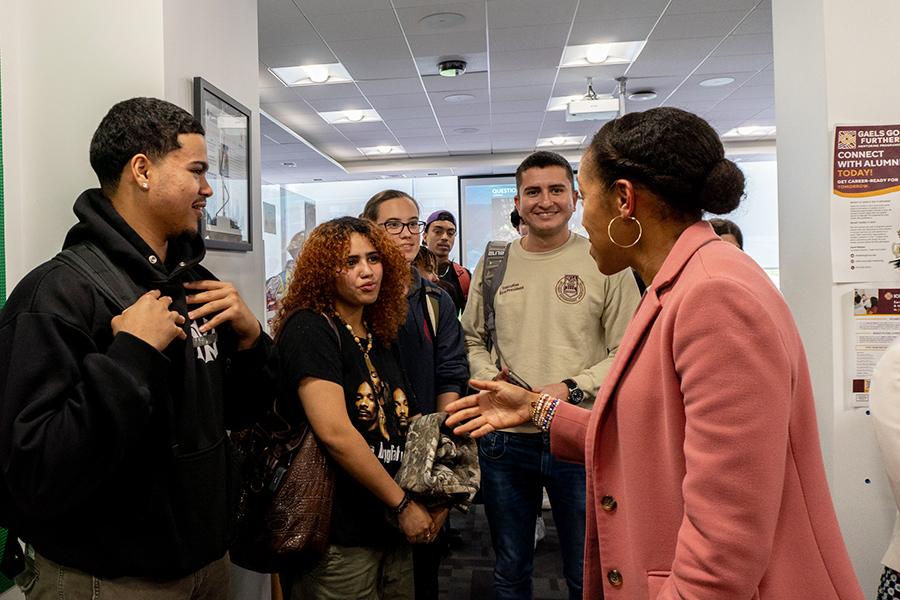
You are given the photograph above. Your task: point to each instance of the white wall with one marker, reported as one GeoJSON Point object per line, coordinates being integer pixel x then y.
{"type": "Point", "coordinates": [829, 69]}
{"type": "Point", "coordinates": [217, 40]}
{"type": "Point", "coordinates": [64, 64]}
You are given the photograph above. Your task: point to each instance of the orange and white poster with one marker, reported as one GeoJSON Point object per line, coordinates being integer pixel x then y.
{"type": "Point", "coordinates": [865, 203]}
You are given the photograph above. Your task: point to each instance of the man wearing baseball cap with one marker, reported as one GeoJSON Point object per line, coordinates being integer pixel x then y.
{"type": "Point", "coordinates": [440, 235]}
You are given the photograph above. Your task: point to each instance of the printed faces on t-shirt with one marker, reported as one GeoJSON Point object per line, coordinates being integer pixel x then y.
{"type": "Point", "coordinates": [381, 414]}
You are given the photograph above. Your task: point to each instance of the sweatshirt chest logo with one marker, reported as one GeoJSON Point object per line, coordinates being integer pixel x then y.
{"type": "Point", "coordinates": [570, 289]}
{"type": "Point", "coordinates": [205, 344]}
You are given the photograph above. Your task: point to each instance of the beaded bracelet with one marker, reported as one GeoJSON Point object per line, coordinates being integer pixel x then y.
{"type": "Point", "coordinates": [398, 510]}
{"type": "Point", "coordinates": [543, 410]}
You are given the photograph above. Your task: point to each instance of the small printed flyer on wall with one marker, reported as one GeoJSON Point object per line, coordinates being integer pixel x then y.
{"type": "Point", "coordinates": [865, 203]}
{"type": "Point", "coordinates": [876, 323]}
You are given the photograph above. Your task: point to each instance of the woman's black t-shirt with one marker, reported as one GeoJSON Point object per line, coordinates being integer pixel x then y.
{"type": "Point", "coordinates": [377, 403]}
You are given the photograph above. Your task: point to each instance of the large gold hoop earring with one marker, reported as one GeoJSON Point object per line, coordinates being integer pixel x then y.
{"type": "Point", "coordinates": [609, 231]}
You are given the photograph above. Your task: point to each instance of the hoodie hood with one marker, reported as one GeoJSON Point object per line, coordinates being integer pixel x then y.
{"type": "Point", "coordinates": [99, 223]}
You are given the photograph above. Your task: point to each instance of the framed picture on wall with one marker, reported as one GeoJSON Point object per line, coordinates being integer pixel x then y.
{"type": "Point", "coordinates": [226, 222]}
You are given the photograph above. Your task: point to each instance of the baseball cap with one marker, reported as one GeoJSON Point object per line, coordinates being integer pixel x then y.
{"type": "Point", "coordinates": [440, 215]}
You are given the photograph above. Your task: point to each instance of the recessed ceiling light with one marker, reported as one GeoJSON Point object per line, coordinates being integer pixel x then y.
{"type": "Point", "coordinates": [642, 95]}
{"type": "Point", "coordinates": [344, 117]}
{"type": "Point", "coordinates": [431, 174]}
{"type": "Point", "coordinates": [288, 163]}
{"type": "Point", "coordinates": [382, 150]}
{"type": "Point", "coordinates": [318, 179]}
{"type": "Point", "coordinates": [312, 74]}
{"type": "Point", "coordinates": [466, 130]}
{"type": "Point", "coordinates": [317, 73]}
{"type": "Point", "coordinates": [442, 20]}
{"type": "Point", "coordinates": [717, 81]}
{"type": "Point", "coordinates": [458, 98]}
{"type": "Point", "coordinates": [597, 53]}
{"type": "Point", "coordinates": [384, 177]}
{"type": "Point", "coordinates": [452, 67]}
{"type": "Point", "coordinates": [576, 140]}
{"type": "Point", "coordinates": [751, 131]}
{"type": "Point", "coordinates": [616, 53]}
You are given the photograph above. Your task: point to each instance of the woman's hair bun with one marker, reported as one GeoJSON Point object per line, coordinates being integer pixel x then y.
{"type": "Point", "coordinates": [723, 189]}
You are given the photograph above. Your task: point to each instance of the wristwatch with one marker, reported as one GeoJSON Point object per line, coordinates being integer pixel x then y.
{"type": "Point", "coordinates": [576, 394]}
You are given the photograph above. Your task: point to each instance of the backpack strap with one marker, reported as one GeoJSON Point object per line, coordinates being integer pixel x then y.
{"type": "Point", "coordinates": [495, 257]}
{"type": "Point", "coordinates": [465, 279]}
{"type": "Point", "coordinates": [110, 280]}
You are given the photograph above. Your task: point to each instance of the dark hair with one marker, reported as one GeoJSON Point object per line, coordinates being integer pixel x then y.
{"type": "Point", "coordinates": [425, 260]}
{"type": "Point", "coordinates": [672, 153]}
{"type": "Point", "coordinates": [541, 160]}
{"type": "Point", "coordinates": [374, 203]}
{"type": "Point", "coordinates": [323, 257]}
{"type": "Point", "coordinates": [515, 218]}
{"type": "Point", "coordinates": [137, 126]}
{"type": "Point", "coordinates": [724, 226]}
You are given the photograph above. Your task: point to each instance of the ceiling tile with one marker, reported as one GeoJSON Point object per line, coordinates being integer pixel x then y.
{"type": "Point", "coordinates": [454, 122]}
{"type": "Point", "coordinates": [330, 104]}
{"type": "Point", "coordinates": [412, 16]}
{"type": "Point", "coordinates": [512, 39]}
{"type": "Point", "coordinates": [289, 56]}
{"type": "Point", "coordinates": [356, 25]}
{"type": "Point", "coordinates": [521, 92]}
{"type": "Point", "coordinates": [398, 101]}
{"type": "Point", "coordinates": [374, 67]}
{"type": "Point", "coordinates": [523, 13]}
{"type": "Point", "coordinates": [384, 48]}
{"type": "Point", "coordinates": [735, 45]}
{"type": "Point", "coordinates": [455, 110]}
{"type": "Point", "coordinates": [522, 77]}
{"type": "Point", "coordinates": [519, 106]}
{"type": "Point", "coordinates": [698, 6]}
{"type": "Point", "coordinates": [323, 92]}
{"type": "Point", "coordinates": [266, 79]}
{"type": "Point", "coordinates": [448, 43]}
{"type": "Point", "coordinates": [671, 57]}
{"type": "Point", "coordinates": [705, 24]}
{"type": "Point", "coordinates": [735, 64]}
{"type": "Point", "coordinates": [502, 118]}
{"type": "Point", "coordinates": [408, 85]}
{"type": "Point", "coordinates": [607, 31]}
{"type": "Point", "coordinates": [338, 7]}
{"type": "Point", "coordinates": [599, 73]}
{"type": "Point", "coordinates": [404, 125]}
{"type": "Point", "coordinates": [619, 9]}
{"type": "Point", "coordinates": [406, 112]}
{"type": "Point", "coordinates": [278, 94]}
{"type": "Point", "coordinates": [525, 59]}
{"type": "Point", "coordinates": [759, 21]}
{"type": "Point", "coordinates": [460, 84]}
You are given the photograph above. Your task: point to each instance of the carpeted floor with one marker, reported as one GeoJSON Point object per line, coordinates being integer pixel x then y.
{"type": "Point", "coordinates": [468, 572]}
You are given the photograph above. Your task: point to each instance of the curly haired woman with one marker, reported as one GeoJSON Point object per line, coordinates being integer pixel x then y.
{"type": "Point", "coordinates": [335, 334]}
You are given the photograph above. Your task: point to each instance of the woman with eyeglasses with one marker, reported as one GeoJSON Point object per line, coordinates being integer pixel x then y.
{"type": "Point", "coordinates": [432, 348]}
{"type": "Point", "coordinates": [704, 472]}
{"type": "Point", "coordinates": [335, 335]}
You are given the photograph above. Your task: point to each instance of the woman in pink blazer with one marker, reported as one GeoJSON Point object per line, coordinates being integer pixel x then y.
{"type": "Point", "coordinates": [705, 475]}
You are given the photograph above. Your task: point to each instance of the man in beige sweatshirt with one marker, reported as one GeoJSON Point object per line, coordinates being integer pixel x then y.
{"type": "Point", "coordinates": [558, 325]}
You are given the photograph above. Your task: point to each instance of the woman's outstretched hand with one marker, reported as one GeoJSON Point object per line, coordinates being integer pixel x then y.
{"type": "Point", "coordinates": [497, 406]}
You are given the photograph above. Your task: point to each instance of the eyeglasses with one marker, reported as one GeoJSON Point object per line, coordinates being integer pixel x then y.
{"type": "Point", "coordinates": [396, 227]}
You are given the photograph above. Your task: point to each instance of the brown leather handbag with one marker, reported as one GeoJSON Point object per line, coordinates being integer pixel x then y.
{"type": "Point", "coordinates": [284, 513]}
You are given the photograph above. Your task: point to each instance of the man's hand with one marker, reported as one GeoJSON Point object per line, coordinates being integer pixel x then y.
{"type": "Point", "coordinates": [150, 320]}
{"type": "Point", "coordinates": [555, 390]}
{"type": "Point", "coordinates": [221, 299]}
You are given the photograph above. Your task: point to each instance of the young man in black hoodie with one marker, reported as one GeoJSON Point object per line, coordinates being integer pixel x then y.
{"type": "Point", "coordinates": [115, 464]}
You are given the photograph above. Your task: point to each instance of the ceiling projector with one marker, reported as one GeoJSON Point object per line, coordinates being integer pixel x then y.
{"type": "Point", "coordinates": [592, 109]}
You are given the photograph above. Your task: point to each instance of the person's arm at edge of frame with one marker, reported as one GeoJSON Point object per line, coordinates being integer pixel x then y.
{"type": "Point", "coordinates": [884, 404]}
{"type": "Point", "coordinates": [481, 364]}
{"type": "Point", "coordinates": [323, 403]}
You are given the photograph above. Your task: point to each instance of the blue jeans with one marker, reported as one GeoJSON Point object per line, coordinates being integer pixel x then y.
{"type": "Point", "coordinates": [514, 467]}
